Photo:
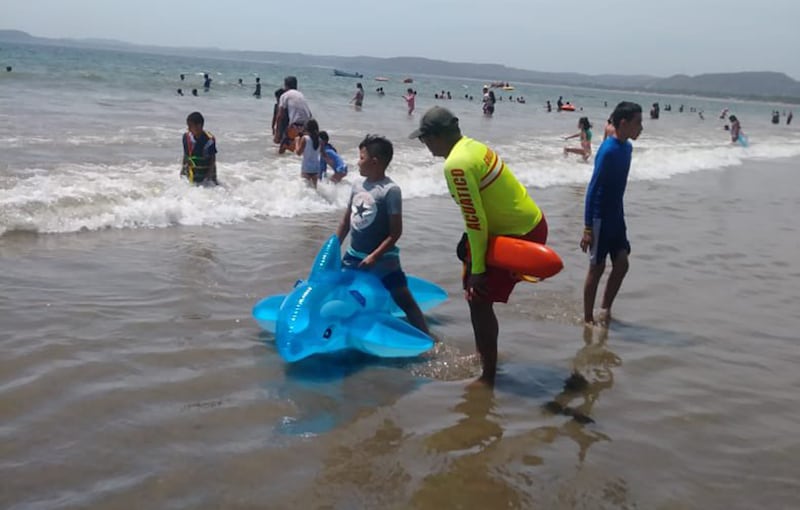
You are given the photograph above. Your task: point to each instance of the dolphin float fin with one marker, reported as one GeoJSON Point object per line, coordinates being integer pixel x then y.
{"type": "Point", "coordinates": [387, 337]}
{"type": "Point", "coordinates": [265, 312]}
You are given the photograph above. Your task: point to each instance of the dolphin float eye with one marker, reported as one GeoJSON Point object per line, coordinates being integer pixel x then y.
{"type": "Point", "coordinates": [359, 297]}
{"type": "Point", "coordinates": [327, 334]}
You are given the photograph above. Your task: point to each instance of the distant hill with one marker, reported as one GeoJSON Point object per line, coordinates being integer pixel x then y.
{"type": "Point", "coordinates": [17, 36]}
{"type": "Point", "coordinates": [745, 84]}
{"type": "Point", "coordinates": [20, 37]}
{"type": "Point", "coordinates": [749, 85]}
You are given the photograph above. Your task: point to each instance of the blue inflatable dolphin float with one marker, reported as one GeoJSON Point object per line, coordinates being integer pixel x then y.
{"type": "Point", "coordinates": [337, 309]}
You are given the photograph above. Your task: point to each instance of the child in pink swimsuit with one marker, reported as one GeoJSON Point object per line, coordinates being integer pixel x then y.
{"type": "Point", "coordinates": [410, 98]}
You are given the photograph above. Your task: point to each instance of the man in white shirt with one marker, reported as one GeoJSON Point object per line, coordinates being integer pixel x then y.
{"type": "Point", "coordinates": [293, 112]}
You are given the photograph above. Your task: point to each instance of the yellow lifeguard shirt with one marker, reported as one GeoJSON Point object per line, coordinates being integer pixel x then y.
{"type": "Point", "coordinates": [493, 202]}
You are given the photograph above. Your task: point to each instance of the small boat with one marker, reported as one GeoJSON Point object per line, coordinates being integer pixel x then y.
{"type": "Point", "coordinates": [345, 74]}
{"type": "Point", "coordinates": [502, 85]}
{"type": "Point", "coordinates": [408, 80]}
{"type": "Point", "coordinates": [381, 78]}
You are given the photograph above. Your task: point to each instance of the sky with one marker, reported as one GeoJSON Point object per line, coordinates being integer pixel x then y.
{"type": "Point", "coordinates": [593, 37]}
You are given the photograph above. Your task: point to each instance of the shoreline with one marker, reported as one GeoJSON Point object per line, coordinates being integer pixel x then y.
{"type": "Point", "coordinates": [23, 233]}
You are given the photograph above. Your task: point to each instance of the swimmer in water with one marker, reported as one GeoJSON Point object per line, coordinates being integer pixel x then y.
{"type": "Point", "coordinates": [586, 140]}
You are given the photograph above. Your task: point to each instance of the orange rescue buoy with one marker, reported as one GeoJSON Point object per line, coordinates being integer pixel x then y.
{"type": "Point", "coordinates": [523, 257]}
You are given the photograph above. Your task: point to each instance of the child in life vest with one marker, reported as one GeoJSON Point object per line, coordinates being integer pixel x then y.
{"type": "Point", "coordinates": [199, 152]}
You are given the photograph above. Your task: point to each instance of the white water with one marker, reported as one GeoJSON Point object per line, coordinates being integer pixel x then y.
{"type": "Point", "coordinates": [76, 197]}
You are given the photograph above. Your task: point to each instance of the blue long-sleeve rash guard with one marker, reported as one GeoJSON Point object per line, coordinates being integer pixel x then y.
{"type": "Point", "coordinates": [607, 187]}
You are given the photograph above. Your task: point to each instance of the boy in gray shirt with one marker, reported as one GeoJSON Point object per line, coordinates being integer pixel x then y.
{"type": "Point", "coordinates": [375, 216]}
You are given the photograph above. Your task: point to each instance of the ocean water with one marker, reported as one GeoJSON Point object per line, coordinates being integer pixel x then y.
{"type": "Point", "coordinates": [132, 375]}
{"type": "Point", "coordinates": [92, 138]}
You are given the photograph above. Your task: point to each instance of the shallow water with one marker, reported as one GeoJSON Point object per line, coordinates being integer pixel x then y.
{"type": "Point", "coordinates": [133, 377]}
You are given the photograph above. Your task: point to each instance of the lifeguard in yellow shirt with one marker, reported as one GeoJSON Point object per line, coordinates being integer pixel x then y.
{"type": "Point", "coordinates": [493, 202]}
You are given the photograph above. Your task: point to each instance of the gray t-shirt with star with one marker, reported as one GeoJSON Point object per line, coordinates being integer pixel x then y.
{"type": "Point", "coordinates": [372, 202]}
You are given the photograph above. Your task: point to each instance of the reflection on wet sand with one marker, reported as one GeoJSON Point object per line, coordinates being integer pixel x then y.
{"type": "Point", "coordinates": [471, 479]}
{"type": "Point", "coordinates": [488, 468]}
{"type": "Point", "coordinates": [367, 474]}
{"type": "Point", "coordinates": [591, 374]}
{"type": "Point", "coordinates": [332, 390]}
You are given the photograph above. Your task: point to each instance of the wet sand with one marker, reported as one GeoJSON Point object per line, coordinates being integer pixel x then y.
{"type": "Point", "coordinates": [133, 377]}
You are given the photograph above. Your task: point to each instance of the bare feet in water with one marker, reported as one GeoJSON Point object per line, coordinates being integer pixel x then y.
{"type": "Point", "coordinates": [604, 317]}
{"type": "Point", "coordinates": [481, 382]}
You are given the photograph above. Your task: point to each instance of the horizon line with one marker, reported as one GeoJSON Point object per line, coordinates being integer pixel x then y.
{"type": "Point", "coordinates": [100, 40]}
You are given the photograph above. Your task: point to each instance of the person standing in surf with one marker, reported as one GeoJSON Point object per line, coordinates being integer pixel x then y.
{"type": "Point", "coordinates": [605, 232]}
{"type": "Point", "coordinates": [493, 203]}
{"type": "Point", "coordinates": [199, 152]}
{"type": "Point", "coordinates": [330, 157]}
{"type": "Point", "coordinates": [358, 98]}
{"type": "Point", "coordinates": [309, 147]}
{"type": "Point", "coordinates": [293, 112]}
{"type": "Point", "coordinates": [585, 133]}
{"type": "Point", "coordinates": [609, 129]}
{"type": "Point", "coordinates": [374, 217]}
{"type": "Point", "coordinates": [275, 108]}
{"type": "Point", "coordinates": [488, 102]}
{"type": "Point", "coordinates": [411, 99]}
{"type": "Point", "coordinates": [736, 128]}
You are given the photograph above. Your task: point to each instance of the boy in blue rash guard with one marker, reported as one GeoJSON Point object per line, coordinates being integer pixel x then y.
{"type": "Point", "coordinates": [329, 157]}
{"type": "Point", "coordinates": [604, 217]}
{"type": "Point", "coordinates": [375, 216]}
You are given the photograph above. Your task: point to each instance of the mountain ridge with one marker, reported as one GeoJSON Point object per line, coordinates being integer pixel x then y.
{"type": "Point", "coordinates": [758, 85]}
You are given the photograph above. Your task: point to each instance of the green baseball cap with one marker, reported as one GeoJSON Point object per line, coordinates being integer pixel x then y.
{"type": "Point", "coordinates": [437, 120]}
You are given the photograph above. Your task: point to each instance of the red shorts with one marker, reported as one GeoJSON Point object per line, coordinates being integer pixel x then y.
{"type": "Point", "coordinates": [500, 282]}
